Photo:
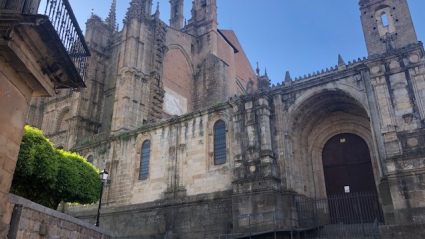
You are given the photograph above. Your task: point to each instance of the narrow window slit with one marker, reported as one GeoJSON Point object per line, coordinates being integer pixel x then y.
{"type": "Point", "coordinates": [384, 18]}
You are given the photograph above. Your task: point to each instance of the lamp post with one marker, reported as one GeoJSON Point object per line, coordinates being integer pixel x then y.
{"type": "Point", "coordinates": [103, 176]}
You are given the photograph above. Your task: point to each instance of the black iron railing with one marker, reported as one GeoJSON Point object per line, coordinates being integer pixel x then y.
{"type": "Point", "coordinates": [63, 20]}
{"type": "Point", "coordinates": [341, 216]}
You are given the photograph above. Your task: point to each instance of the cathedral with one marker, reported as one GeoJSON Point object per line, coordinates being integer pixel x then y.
{"type": "Point", "coordinates": [199, 145]}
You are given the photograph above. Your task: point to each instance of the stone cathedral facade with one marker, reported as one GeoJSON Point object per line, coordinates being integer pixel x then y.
{"type": "Point", "coordinates": [195, 140]}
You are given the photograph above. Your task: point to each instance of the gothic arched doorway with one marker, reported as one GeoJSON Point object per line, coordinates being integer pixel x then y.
{"type": "Point", "coordinates": [347, 165]}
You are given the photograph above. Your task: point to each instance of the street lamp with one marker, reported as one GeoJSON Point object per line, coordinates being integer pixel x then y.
{"type": "Point", "coordinates": [103, 177]}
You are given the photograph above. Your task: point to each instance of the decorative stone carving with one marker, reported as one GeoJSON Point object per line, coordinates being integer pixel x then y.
{"type": "Point", "coordinates": [413, 58]}
{"type": "Point", "coordinates": [358, 78]}
{"type": "Point", "coordinates": [412, 142]}
{"type": "Point", "coordinates": [408, 118]}
{"type": "Point", "coordinates": [394, 65]}
{"type": "Point", "coordinates": [375, 70]}
{"type": "Point", "coordinates": [252, 169]}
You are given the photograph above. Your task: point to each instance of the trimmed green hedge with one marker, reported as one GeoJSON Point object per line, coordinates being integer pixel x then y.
{"type": "Point", "coordinates": [49, 176]}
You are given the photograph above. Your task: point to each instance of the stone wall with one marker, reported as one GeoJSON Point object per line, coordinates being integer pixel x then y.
{"type": "Point", "coordinates": [379, 37]}
{"type": "Point", "coordinates": [275, 136]}
{"type": "Point", "coordinates": [274, 148]}
{"type": "Point", "coordinates": [14, 102]}
{"type": "Point", "coordinates": [27, 69]}
{"type": "Point", "coordinates": [181, 160]}
{"type": "Point", "coordinates": [409, 231]}
{"type": "Point", "coordinates": [31, 220]}
{"type": "Point", "coordinates": [202, 216]}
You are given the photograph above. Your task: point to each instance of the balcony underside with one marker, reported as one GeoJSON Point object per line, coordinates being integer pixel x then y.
{"type": "Point", "coordinates": [33, 48]}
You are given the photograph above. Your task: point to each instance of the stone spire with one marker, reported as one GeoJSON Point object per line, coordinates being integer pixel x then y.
{"type": "Point", "coordinates": [134, 11]}
{"type": "Point", "coordinates": [288, 79]}
{"type": "Point", "coordinates": [264, 81]}
{"type": "Point", "coordinates": [156, 15]}
{"type": "Point", "coordinates": [139, 9]}
{"type": "Point", "coordinates": [341, 62]}
{"type": "Point", "coordinates": [111, 20]}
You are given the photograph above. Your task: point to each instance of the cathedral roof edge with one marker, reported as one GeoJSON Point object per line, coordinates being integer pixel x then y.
{"type": "Point", "coordinates": [236, 50]}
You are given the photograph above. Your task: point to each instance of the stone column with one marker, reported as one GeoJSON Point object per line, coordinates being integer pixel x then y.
{"type": "Point", "coordinates": [15, 97]}
{"type": "Point", "coordinates": [386, 110]}
{"type": "Point", "coordinates": [256, 188]}
{"type": "Point", "coordinates": [237, 142]}
{"type": "Point", "coordinates": [280, 135]}
{"type": "Point", "coordinates": [251, 132]}
{"type": "Point", "coordinates": [173, 151]}
{"type": "Point", "coordinates": [418, 85]}
{"type": "Point", "coordinates": [263, 112]}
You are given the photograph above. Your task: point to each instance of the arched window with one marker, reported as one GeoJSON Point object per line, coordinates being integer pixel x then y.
{"type": "Point", "coordinates": [144, 160]}
{"type": "Point", "coordinates": [384, 19]}
{"type": "Point", "coordinates": [219, 142]}
{"type": "Point", "coordinates": [90, 159]}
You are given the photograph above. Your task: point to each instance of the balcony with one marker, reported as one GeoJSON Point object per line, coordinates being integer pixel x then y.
{"type": "Point", "coordinates": [42, 41]}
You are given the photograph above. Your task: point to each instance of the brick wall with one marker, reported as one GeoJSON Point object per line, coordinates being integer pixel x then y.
{"type": "Point", "coordinates": [178, 83]}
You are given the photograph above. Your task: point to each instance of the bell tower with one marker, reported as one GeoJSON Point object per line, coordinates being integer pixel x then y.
{"type": "Point", "coordinates": [204, 17]}
{"type": "Point", "coordinates": [176, 20]}
{"type": "Point", "coordinates": [140, 52]}
{"type": "Point", "coordinates": [387, 25]}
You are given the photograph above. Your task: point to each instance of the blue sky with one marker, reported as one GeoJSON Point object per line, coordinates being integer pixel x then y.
{"type": "Point", "coordinates": [299, 36]}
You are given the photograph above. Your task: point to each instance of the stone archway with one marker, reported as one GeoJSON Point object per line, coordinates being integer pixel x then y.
{"type": "Point", "coordinates": [177, 82]}
{"type": "Point", "coordinates": [340, 124]}
{"type": "Point", "coordinates": [313, 122]}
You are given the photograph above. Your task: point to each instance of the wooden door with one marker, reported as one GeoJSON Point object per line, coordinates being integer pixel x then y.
{"type": "Point", "coordinates": [348, 176]}
{"type": "Point", "coordinates": [346, 163]}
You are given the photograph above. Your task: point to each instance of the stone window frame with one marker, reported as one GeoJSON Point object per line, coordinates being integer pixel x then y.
{"type": "Point", "coordinates": [217, 161]}
{"type": "Point", "coordinates": [144, 160]}
{"type": "Point", "coordinates": [87, 155]}
{"type": "Point", "coordinates": [139, 143]}
{"type": "Point", "coordinates": [382, 29]}
{"type": "Point", "coordinates": [214, 119]}
{"type": "Point", "coordinates": [384, 18]}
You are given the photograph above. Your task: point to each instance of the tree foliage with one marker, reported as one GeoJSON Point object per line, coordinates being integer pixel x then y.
{"type": "Point", "coordinates": [48, 176]}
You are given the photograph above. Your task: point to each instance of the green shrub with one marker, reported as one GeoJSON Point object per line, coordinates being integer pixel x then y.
{"type": "Point", "coordinates": [48, 176]}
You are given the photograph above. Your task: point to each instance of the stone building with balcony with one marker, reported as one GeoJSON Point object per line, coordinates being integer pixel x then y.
{"type": "Point", "coordinates": [198, 145]}
{"type": "Point", "coordinates": [39, 54]}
